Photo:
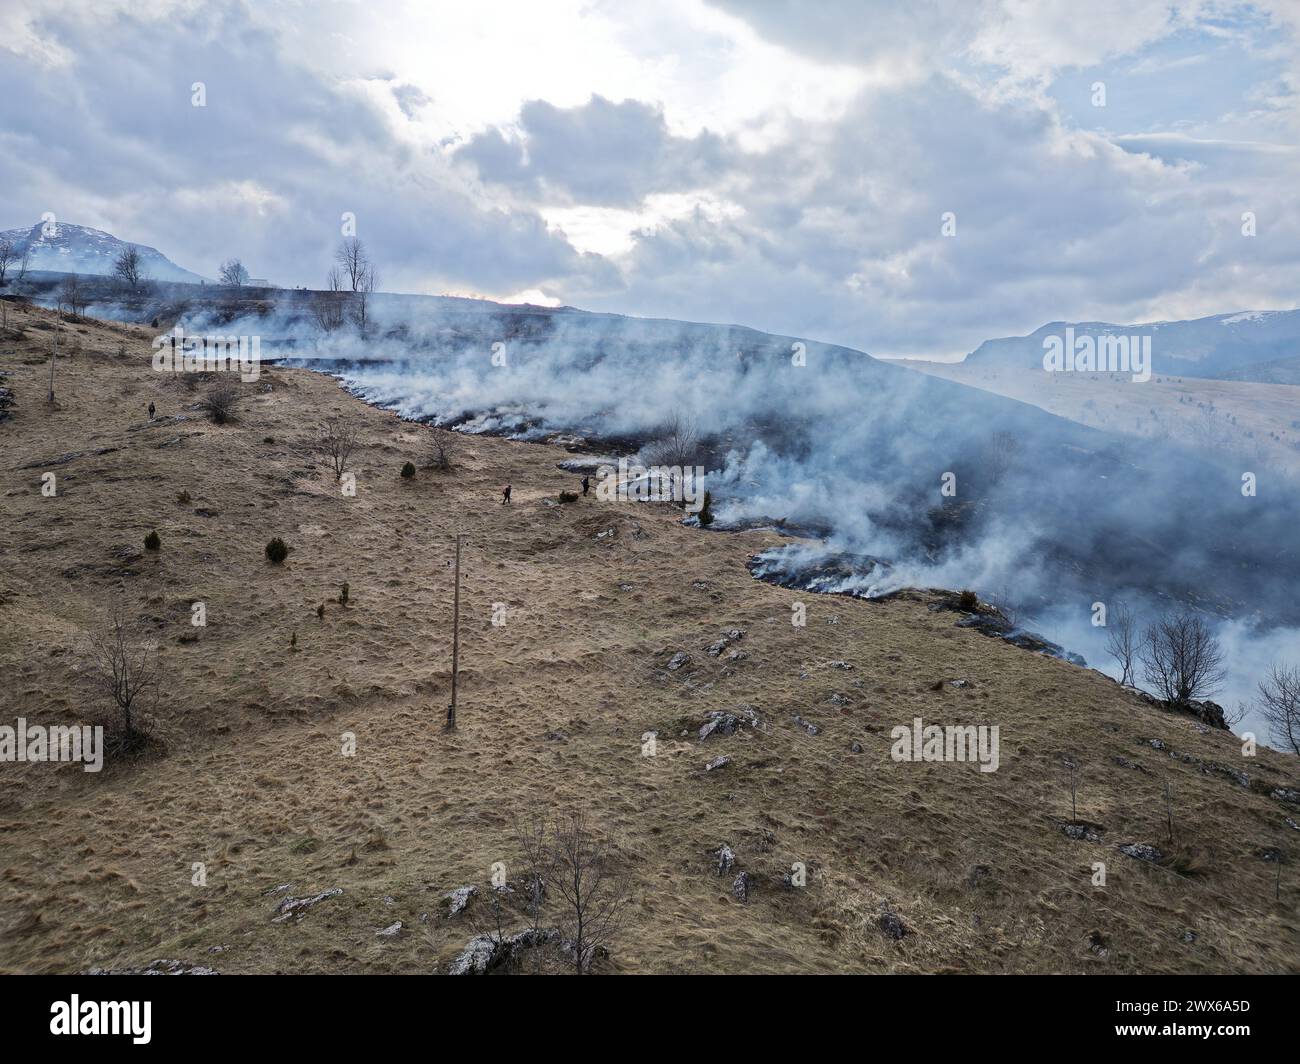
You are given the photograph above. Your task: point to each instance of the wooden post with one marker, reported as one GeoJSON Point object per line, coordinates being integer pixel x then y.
{"type": "Point", "coordinates": [53, 356]}
{"type": "Point", "coordinates": [455, 641]}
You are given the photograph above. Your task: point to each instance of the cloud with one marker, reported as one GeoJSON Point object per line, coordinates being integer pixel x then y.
{"type": "Point", "coordinates": [602, 154]}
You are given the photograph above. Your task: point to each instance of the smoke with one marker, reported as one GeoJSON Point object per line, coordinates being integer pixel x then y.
{"type": "Point", "coordinates": [926, 482]}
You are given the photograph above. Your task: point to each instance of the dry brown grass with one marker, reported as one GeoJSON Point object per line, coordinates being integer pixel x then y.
{"type": "Point", "coordinates": [96, 870]}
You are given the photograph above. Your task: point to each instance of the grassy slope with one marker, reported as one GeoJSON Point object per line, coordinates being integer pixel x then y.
{"type": "Point", "coordinates": [96, 870]}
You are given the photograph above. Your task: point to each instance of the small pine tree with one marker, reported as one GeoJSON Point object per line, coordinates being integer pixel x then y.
{"type": "Point", "coordinates": [706, 511]}
{"type": "Point", "coordinates": [152, 542]}
{"type": "Point", "coordinates": [276, 551]}
{"type": "Point", "coordinates": [408, 471]}
{"type": "Point", "coordinates": [343, 594]}
{"type": "Point", "coordinates": [320, 612]}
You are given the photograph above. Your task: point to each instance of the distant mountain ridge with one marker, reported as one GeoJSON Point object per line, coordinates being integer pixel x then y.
{"type": "Point", "coordinates": [66, 248]}
{"type": "Point", "coordinates": [1219, 346]}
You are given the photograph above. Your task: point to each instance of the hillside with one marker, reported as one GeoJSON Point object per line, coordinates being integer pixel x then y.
{"type": "Point", "coordinates": [68, 248]}
{"type": "Point", "coordinates": [1220, 345]}
{"type": "Point", "coordinates": [97, 870]}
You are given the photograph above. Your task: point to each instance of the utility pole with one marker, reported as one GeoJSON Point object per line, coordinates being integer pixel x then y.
{"type": "Point", "coordinates": [50, 397]}
{"type": "Point", "coordinates": [455, 641]}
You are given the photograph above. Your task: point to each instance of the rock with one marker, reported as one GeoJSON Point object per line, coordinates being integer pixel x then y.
{"type": "Point", "coordinates": [891, 925]}
{"type": "Point", "coordinates": [458, 899]}
{"type": "Point", "coordinates": [1291, 823]}
{"type": "Point", "coordinates": [721, 722]}
{"type": "Point", "coordinates": [741, 886]}
{"type": "Point", "coordinates": [855, 747]}
{"type": "Point", "coordinates": [718, 762]}
{"type": "Point", "coordinates": [728, 637]}
{"type": "Point", "coordinates": [961, 684]}
{"type": "Point", "coordinates": [391, 931]}
{"type": "Point", "coordinates": [840, 700]}
{"type": "Point", "coordinates": [807, 725]}
{"type": "Point", "coordinates": [296, 907]}
{"type": "Point", "coordinates": [678, 660]}
{"type": "Point", "coordinates": [1082, 829]}
{"type": "Point", "coordinates": [556, 737]}
{"type": "Point", "coordinates": [1269, 853]}
{"type": "Point", "coordinates": [1285, 794]}
{"type": "Point", "coordinates": [158, 967]}
{"type": "Point", "coordinates": [1188, 936]}
{"type": "Point", "coordinates": [1156, 744]}
{"type": "Point", "coordinates": [839, 665]}
{"type": "Point", "coordinates": [485, 952]}
{"type": "Point", "coordinates": [726, 858]}
{"type": "Point", "coordinates": [476, 958]}
{"type": "Point", "coordinates": [1139, 851]}
{"type": "Point", "coordinates": [1097, 944]}
{"type": "Point", "coordinates": [1124, 762]}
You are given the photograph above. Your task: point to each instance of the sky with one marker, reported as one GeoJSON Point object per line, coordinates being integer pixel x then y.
{"type": "Point", "coordinates": [906, 179]}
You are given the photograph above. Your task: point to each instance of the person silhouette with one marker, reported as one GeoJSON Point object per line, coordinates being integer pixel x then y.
{"type": "Point", "coordinates": [150, 409]}
{"type": "Point", "coordinates": [505, 495]}
{"type": "Point", "coordinates": [586, 485]}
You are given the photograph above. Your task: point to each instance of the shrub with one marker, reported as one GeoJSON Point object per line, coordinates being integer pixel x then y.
{"type": "Point", "coordinates": [219, 402]}
{"type": "Point", "coordinates": [568, 496]}
{"type": "Point", "coordinates": [968, 600]}
{"type": "Point", "coordinates": [343, 594]}
{"type": "Point", "coordinates": [152, 542]}
{"type": "Point", "coordinates": [706, 511]}
{"type": "Point", "coordinates": [276, 551]}
{"type": "Point", "coordinates": [408, 471]}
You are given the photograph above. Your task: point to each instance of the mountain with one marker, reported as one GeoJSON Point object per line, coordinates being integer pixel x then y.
{"type": "Point", "coordinates": [1220, 346]}
{"type": "Point", "coordinates": [69, 248]}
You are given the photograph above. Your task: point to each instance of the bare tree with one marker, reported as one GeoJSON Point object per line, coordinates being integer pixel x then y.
{"type": "Point", "coordinates": [123, 664]}
{"type": "Point", "coordinates": [677, 445]}
{"type": "Point", "coordinates": [24, 261]}
{"type": "Point", "coordinates": [129, 268]}
{"type": "Point", "coordinates": [327, 311]}
{"type": "Point", "coordinates": [1123, 640]}
{"type": "Point", "coordinates": [338, 438]}
{"type": "Point", "coordinates": [72, 295]}
{"type": "Point", "coordinates": [1279, 696]}
{"type": "Point", "coordinates": [594, 896]}
{"type": "Point", "coordinates": [220, 401]}
{"type": "Point", "coordinates": [233, 274]}
{"type": "Point", "coordinates": [444, 449]}
{"type": "Point", "coordinates": [334, 279]}
{"type": "Point", "coordinates": [8, 255]}
{"type": "Point", "coordinates": [1181, 658]}
{"type": "Point", "coordinates": [361, 300]}
{"type": "Point", "coordinates": [353, 261]}
{"type": "Point", "coordinates": [1000, 454]}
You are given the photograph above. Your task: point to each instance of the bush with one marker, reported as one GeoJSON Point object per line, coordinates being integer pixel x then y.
{"type": "Point", "coordinates": [706, 511]}
{"type": "Point", "coordinates": [408, 471]}
{"type": "Point", "coordinates": [220, 401]}
{"type": "Point", "coordinates": [276, 551]}
{"type": "Point", "coordinates": [152, 542]}
{"type": "Point", "coordinates": [968, 600]}
{"type": "Point", "coordinates": [343, 594]}
{"type": "Point", "coordinates": [568, 496]}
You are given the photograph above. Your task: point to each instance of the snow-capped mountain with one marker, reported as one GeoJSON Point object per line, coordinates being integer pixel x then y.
{"type": "Point", "coordinates": [1218, 346]}
{"type": "Point", "coordinates": [68, 248]}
